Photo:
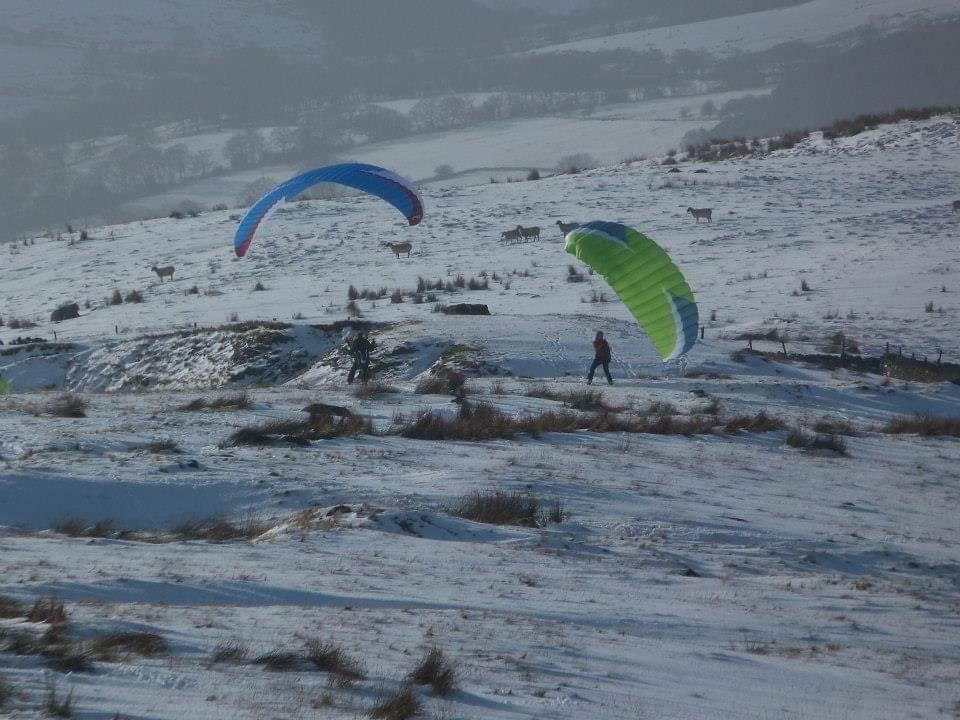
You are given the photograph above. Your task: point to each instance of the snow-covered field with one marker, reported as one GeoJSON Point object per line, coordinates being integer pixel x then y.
{"type": "Point", "coordinates": [721, 575]}
{"type": "Point", "coordinates": [502, 150]}
{"type": "Point", "coordinates": [816, 22]}
{"type": "Point", "coordinates": [610, 134]}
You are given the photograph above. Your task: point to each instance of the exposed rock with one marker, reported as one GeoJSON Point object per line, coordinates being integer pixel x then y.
{"type": "Point", "coordinates": [467, 309]}
{"type": "Point", "coordinates": [65, 312]}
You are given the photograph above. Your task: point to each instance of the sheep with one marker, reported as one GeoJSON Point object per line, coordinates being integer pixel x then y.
{"type": "Point", "coordinates": [510, 236]}
{"type": "Point", "coordinates": [567, 228]}
{"type": "Point", "coordinates": [163, 271]}
{"type": "Point", "coordinates": [701, 213]}
{"type": "Point", "coordinates": [399, 248]}
{"type": "Point", "coordinates": [956, 206]}
{"type": "Point", "coordinates": [529, 233]}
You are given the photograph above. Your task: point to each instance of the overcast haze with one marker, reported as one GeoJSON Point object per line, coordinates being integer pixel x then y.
{"type": "Point", "coordinates": [109, 102]}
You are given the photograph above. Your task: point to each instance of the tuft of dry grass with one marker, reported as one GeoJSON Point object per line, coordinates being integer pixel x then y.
{"type": "Point", "coordinates": [331, 658]}
{"type": "Point", "coordinates": [802, 440]}
{"type": "Point", "coordinates": [300, 432]}
{"type": "Point", "coordinates": [497, 507]}
{"type": "Point", "coordinates": [70, 662]}
{"type": "Point", "coordinates": [759, 423]}
{"type": "Point", "coordinates": [481, 422]}
{"type": "Point", "coordinates": [238, 401]}
{"type": "Point", "coordinates": [66, 405]}
{"type": "Point", "coordinates": [925, 425]}
{"type": "Point", "coordinates": [47, 610]}
{"type": "Point", "coordinates": [435, 669]}
{"type": "Point", "coordinates": [587, 400]}
{"type": "Point", "coordinates": [442, 382]}
{"type": "Point", "coordinates": [21, 643]}
{"type": "Point", "coordinates": [144, 644]}
{"type": "Point", "coordinates": [230, 651]}
{"type": "Point", "coordinates": [400, 705]}
{"type": "Point", "coordinates": [11, 607]}
{"type": "Point", "coordinates": [6, 692]}
{"type": "Point", "coordinates": [57, 707]}
{"type": "Point", "coordinates": [157, 447]}
{"type": "Point", "coordinates": [279, 660]}
{"type": "Point", "coordinates": [60, 652]}
{"type": "Point", "coordinates": [714, 407]}
{"type": "Point", "coordinates": [498, 388]}
{"type": "Point", "coordinates": [830, 426]}
{"type": "Point", "coordinates": [220, 530]}
{"type": "Point", "coordinates": [75, 527]}
{"type": "Point", "coordinates": [654, 425]}
{"type": "Point", "coordinates": [659, 407]}
{"type": "Point", "coordinates": [373, 389]}
{"type": "Point", "coordinates": [554, 512]}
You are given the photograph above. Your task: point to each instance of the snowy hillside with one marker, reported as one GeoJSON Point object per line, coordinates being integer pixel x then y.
{"type": "Point", "coordinates": [222, 552]}
{"type": "Point", "coordinates": [502, 150]}
{"type": "Point", "coordinates": [839, 216]}
{"type": "Point", "coordinates": [814, 22]}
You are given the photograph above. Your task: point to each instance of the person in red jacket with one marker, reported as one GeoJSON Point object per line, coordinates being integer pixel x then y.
{"type": "Point", "coordinates": [601, 357]}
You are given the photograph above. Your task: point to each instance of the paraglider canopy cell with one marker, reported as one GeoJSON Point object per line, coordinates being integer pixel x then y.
{"type": "Point", "coordinates": [371, 179]}
{"type": "Point", "coordinates": [645, 279]}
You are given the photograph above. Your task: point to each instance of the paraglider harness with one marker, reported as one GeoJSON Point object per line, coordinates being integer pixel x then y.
{"type": "Point", "coordinates": [360, 349]}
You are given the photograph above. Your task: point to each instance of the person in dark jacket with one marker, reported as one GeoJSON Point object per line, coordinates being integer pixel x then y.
{"type": "Point", "coordinates": [601, 358]}
{"type": "Point", "coordinates": [360, 349]}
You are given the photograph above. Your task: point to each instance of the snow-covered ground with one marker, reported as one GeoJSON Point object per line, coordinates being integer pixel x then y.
{"type": "Point", "coordinates": [502, 150]}
{"type": "Point", "coordinates": [714, 576]}
{"type": "Point", "coordinates": [815, 22]}
{"type": "Point", "coordinates": [610, 134]}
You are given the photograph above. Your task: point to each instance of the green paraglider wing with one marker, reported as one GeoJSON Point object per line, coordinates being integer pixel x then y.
{"type": "Point", "coordinates": [4, 386]}
{"type": "Point", "coordinates": [645, 279]}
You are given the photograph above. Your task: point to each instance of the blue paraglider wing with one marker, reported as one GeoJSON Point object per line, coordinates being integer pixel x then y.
{"type": "Point", "coordinates": [371, 179]}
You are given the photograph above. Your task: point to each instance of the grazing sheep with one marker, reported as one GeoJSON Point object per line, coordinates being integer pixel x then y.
{"type": "Point", "coordinates": [956, 205]}
{"type": "Point", "coordinates": [530, 233]}
{"type": "Point", "coordinates": [567, 228]}
{"type": "Point", "coordinates": [166, 270]}
{"type": "Point", "coordinates": [701, 213]}
{"type": "Point", "coordinates": [510, 236]}
{"type": "Point", "coordinates": [399, 248]}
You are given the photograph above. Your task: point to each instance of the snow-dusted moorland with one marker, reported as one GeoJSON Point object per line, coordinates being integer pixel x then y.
{"type": "Point", "coordinates": [725, 572]}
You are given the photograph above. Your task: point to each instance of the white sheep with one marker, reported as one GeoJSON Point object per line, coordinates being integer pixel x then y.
{"type": "Point", "coordinates": [530, 233]}
{"type": "Point", "coordinates": [166, 270]}
{"type": "Point", "coordinates": [701, 213]}
{"type": "Point", "coordinates": [510, 236]}
{"type": "Point", "coordinates": [399, 248]}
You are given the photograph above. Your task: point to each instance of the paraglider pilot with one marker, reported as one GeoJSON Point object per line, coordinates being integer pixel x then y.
{"type": "Point", "coordinates": [601, 358]}
{"type": "Point", "coordinates": [360, 349]}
